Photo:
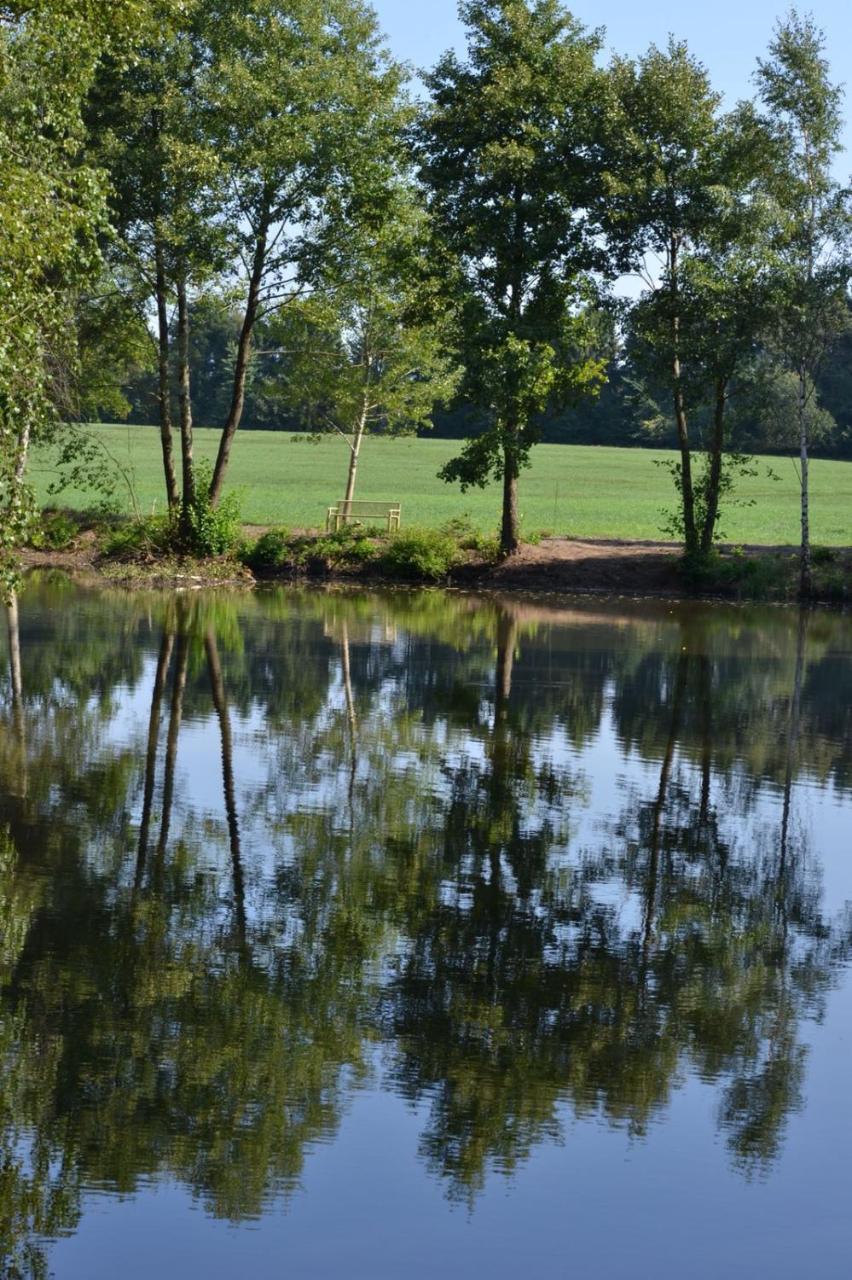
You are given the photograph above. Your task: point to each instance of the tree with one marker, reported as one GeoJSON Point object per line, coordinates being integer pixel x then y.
{"type": "Point", "coordinates": [725, 294]}
{"type": "Point", "coordinates": [222, 140]}
{"type": "Point", "coordinates": [668, 198]}
{"type": "Point", "coordinates": [804, 109]}
{"type": "Point", "coordinates": [505, 149]}
{"type": "Point", "coordinates": [51, 213]}
{"type": "Point", "coordinates": [366, 351]}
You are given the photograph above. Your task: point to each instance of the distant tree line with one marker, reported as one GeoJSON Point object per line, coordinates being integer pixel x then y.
{"type": "Point", "coordinates": [238, 214]}
{"type": "Point", "coordinates": [625, 412]}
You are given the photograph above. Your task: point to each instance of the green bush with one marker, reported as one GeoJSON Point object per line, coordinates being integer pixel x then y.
{"type": "Point", "coordinates": [761, 577]}
{"type": "Point", "coordinates": [426, 554]}
{"type": "Point", "coordinates": [55, 531]}
{"type": "Point", "coordinates": [277, 548]}
{"type": "Point", "coordinates": [468, 538]}
{"type": "Point", "coordinates": [208, 530]}
{"type": "Point", "coordinates": [270, 551]}
{"type": "Point", "coordinates": [351, 545]}
{"type": "Point", "coordinates": [152, 535]}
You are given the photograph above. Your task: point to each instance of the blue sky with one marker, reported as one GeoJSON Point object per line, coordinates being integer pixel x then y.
{"type": "Point", "coordinates": [727, 35]}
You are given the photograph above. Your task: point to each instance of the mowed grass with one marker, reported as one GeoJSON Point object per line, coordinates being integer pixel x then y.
{"type": "Point", "coordinates": [580, 491]}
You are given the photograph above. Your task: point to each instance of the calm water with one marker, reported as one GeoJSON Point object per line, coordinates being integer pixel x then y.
{"type": "Point", "coordinates": [419, 935]}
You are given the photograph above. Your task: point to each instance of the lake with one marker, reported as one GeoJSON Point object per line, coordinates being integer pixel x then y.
{"type": "Point", "coordinates": [421, 934]}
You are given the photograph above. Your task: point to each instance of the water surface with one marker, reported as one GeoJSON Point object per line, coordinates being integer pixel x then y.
{"type": "Point", "coordinates": [417, 935]}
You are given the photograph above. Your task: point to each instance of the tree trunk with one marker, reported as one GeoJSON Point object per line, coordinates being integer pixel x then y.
{"type": "Point", "coordinates": [353, 723]}
{"type": "Point", "coordinates": [16, 673]}
{"type": "Point", "coordinates": [164, 390]}
{"type": "Point", "coordinates": [714, 478]}
{"type": "Point", "coordinates": [165, 657]}
{"type": "Point", "coordinates": [509, 530]}
{"type": "Point", "coordinates": [354, 455]}
{"type": "Point", "coordinates": [217, 687]}
{"type": "Point", "coordinates": [690, 532]}
{"type": "Point", "coordinates": [185, 401]}
{"type": "Point", "coordinates": [507, 635]}
{"type": "Point", "coordinates": [792, 748]}
{"type": "Point", "coordinates": [175, 717]}
{"type": "Point", "coordinates": [805, 571]}
{"type": "Point", "coordinates": [238, 395]}
{"type": "Point", "coordinates": [653, 873]}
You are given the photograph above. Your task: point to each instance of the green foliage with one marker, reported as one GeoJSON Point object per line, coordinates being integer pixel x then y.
{"type": "Point", "coordinates": [347, 548]}
{"type": "Point", "coordinates": [469, 538]}
{"type": "Point", "coordinates": [763, 577]}
{"type": "Point", "coordinates": [271, 550]}
{"type": "Point", "coordinates": [734, 467]}
{"type": "Point", "coordinates": [504, 148]}
{"type": "Point", "coordinates": [420, 555]}
{"type": "Point", "coordinates": [366, 352]}
{"type": "Point", "coordinates": [139, 538]}
{"type": "Point", "coordinates": [208, 530]}
{"type": "Point", "coordinates": [56, 530]}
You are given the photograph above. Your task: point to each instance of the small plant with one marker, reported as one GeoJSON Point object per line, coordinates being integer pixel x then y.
{"type": "Point", "coordinates": [823, 555]}
{"type": "Point", "coordinates": [425, 554]}
{"type": "Point", "coordinates": [138, 539]}
{"type": "Point", "coordinates": [207, 530]}
{"type": "Point", "coordinates": [271, 550]}
{"type": "Point", "coordinates": [55, 531]}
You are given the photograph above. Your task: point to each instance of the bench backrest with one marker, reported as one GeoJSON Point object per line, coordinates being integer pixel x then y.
{"type": "Point", "coordinates": [367, 508]}
{"type": "Point", "coordinates": [344, 512]}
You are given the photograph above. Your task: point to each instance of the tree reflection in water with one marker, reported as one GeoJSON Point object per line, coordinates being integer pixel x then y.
{"type": "Point", "coordinates": [408, 875]}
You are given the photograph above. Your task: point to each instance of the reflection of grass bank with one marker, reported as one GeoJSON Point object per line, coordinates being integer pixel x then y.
{"type": "Point", "coordinates": [139, 552]}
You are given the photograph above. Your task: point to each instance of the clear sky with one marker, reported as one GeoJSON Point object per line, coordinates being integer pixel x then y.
{"type": "Point", "coordinates": [727, 35]}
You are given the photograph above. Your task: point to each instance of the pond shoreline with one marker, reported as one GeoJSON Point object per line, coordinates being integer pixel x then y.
{"type": "Point", "coordinates": [552, 566]}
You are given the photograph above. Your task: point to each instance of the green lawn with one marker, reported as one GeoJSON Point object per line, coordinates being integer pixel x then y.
{"type": "Point", "coordinates": [570, 489]}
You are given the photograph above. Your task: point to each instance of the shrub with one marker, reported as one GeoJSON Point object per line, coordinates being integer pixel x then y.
{"type": "Point", "coordinates": [209, 530]}
{"type": "Point", "coordinates": [427, 554]}
{"type": "Point", "coordinates": [468, 538]}
{"type": "Point", "coordinates": [152, 535]}
{"type": "Point", "coordinates": [56, 531]}
{"type": "Point", "coordinates": [270, 551]}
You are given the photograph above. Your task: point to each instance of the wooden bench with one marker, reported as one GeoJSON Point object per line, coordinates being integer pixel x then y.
{"type": "Point", "coordinates": [343, 513]}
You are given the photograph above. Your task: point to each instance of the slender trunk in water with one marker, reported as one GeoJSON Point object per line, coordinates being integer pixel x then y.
{"type": "Point", "coordinates": [16, 673]}
{"type": "Point", "coordinates": [175, 717]}
{"type": "Point", "coordinates": [165, 657]}
{"type": "Point", "coordinates": [653, 873]}
{"type": "Point", "coordinates": [353, 724]}
{"type": "Point", "coordinates": [164, 389]}
{"type": "Point", "coordinates": [805, 572]}
{"type": "Point", "coordinates": [217, 688]}
{"type": "Point", "coordinates": [792, 747]}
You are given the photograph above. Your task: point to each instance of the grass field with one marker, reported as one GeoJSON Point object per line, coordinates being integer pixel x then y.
{"type": "Point", "coordinates": [581, 491]}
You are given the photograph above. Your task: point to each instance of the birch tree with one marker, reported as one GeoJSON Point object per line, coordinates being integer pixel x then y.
{"type": "Point", "coordinates": [804, 108]}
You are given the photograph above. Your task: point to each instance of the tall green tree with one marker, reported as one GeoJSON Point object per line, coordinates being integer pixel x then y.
{"type": "Point", "coordinates": [369, 351]}
{"type": "Point", "coordinates": [506, 147]}
{"type": "Point", "coordinates": [666, 190]}
{"type": "Point", "coordinates": [51, 214]}
{"type": "Point", "coordinates": [222, 140]}
{"type": "Point", "coordinates": [804, 109]}
{"type": "Point", "coordinates": [707, 316]}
